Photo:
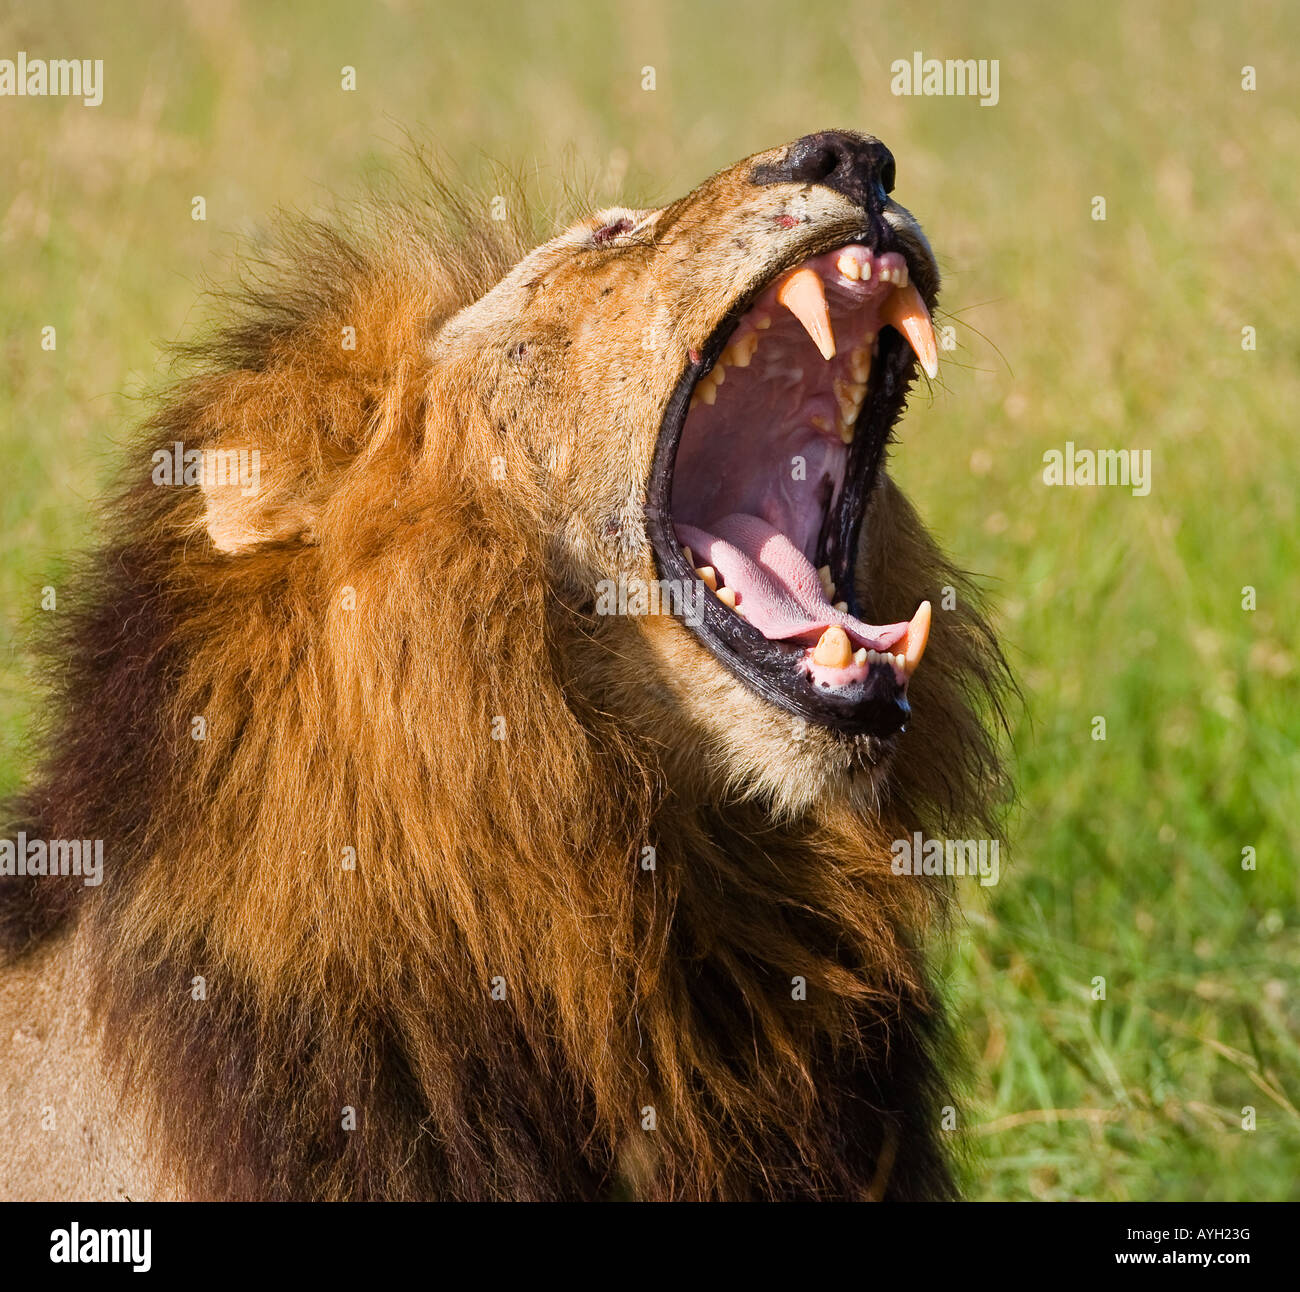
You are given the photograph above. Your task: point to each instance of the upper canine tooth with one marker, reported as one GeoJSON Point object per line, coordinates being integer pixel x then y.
{"type": "Point", "coordinates": [834, 649]}
{"type": "Point", "coordinates": [918, 633]}
{"type": "Point", "coordinates": [905, 310]}
{"type": "Point", "coordinates": [804, 296]}
{"type": "Point", "coordinates": [847, 264]}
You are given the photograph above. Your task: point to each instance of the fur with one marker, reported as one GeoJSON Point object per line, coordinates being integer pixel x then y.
{"type": "Point", "coordinates": [393, 652]}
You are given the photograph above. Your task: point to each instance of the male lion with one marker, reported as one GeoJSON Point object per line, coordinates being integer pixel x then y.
{"type": "Point", "coordinates": [496, 781]}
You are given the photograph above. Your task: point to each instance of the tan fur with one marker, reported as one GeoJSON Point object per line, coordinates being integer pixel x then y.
{"type": "Point", "coordinates": [413, 581]}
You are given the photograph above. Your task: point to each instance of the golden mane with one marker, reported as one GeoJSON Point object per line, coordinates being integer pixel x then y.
{"type": "Point", "coordinates": [499, 986]}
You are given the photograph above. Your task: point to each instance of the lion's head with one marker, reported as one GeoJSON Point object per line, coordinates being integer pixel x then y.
{"type": "Point", "coordinates": [691, 406]}
{"type": "Point", "coordinates": [493, 685]}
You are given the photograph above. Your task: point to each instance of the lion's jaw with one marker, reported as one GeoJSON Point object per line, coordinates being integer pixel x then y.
{"type": "Point", "coordinates": [597, 367]}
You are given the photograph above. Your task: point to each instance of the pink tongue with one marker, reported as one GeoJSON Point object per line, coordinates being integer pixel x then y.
{"type": "Point", "coordinates": [775, 584]}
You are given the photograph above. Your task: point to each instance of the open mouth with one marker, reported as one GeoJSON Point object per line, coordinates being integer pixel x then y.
{"type": "Point", "coordinates": [765, 464]}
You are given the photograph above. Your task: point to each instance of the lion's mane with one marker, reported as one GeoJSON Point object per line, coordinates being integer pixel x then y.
{"type": "Point", "coordinates": [499, 987]}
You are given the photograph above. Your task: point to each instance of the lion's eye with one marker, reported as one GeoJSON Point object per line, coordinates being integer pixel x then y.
{"type": "Point", "coordinates": [611, 231]}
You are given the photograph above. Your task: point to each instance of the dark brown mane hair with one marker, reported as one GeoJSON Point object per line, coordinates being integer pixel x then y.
{"type": "Point", "coordinates": [479, 862]}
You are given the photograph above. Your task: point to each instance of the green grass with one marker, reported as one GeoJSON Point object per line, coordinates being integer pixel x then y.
{"type": "Point", "coordinates": [1123, 333]}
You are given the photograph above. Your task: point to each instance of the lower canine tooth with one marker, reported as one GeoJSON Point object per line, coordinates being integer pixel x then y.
{"type": "Point", "coordinates": [834, 649]}
{"type": "Point", "coordinates": [918, 633]}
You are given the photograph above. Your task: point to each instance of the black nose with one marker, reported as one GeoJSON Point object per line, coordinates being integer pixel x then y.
{"type": "Point", "coordinates": [859, 166]}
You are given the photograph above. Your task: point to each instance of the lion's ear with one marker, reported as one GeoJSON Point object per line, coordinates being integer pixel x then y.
{"type": "Point", "coordinates": [245, 505]}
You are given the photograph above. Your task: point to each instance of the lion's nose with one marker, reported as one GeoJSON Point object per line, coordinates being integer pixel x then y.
{"type": "Point", "coordinates": [859, 166]}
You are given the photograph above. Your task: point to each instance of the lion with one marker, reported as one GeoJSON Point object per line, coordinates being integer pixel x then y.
{"type": "Point", "coordinates": [493, 705]}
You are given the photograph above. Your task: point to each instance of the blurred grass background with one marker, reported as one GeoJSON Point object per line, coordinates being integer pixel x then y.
{"type": "Point", "coordinates": [1126, 854]}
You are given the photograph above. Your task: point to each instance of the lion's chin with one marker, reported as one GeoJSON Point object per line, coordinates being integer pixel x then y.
{"type": "Point", "coordinates": [723, 742]}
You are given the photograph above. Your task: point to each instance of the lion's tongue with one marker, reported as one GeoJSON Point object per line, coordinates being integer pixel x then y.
{"type": "Point", "coordinates": [777, 589]}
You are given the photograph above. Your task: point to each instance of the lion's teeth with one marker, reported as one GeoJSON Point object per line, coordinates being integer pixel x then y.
{"type": "Point", "coordinates": [848, 265]}
{"type": "Point", "coordinates": [828, 584]}
{"type": "Point", "coordinates": [905, 311]}
{"type": "Point", "coordinates": [707, 390]}
{"type": "Point", "coordinates": [741, 353]}
{"type": "Point", "coordinates": [690, 557]}
{"type": "Point", "coordinates": [834, 649]}
{"type": "Point", "coordinates": [708, 576]}
{"type": "Point", "coordinates": [727, 596]}
{"type": "Point", "coordinates": [849, 396]}
{"type": "Point", "coordinates": [860, 363]}
{"type": "Point", "coordinates": [841, 606]}
{"type": "Point", "coordinates": [804, 296]}
{"type": "Point", "coordinates": [860, 655]}
{"type": "Point", "coordinates": [918, 633]}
